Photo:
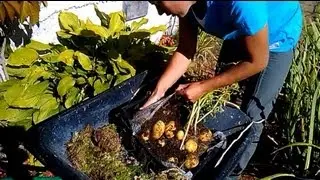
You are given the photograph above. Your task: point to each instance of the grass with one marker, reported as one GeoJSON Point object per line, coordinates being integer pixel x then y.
{"type": "Point", "coordinates": [298, 112]}
{"type": "Point", "coordinates": [301, 96]}
{"type": "Point", "coordinates": [205, 59]}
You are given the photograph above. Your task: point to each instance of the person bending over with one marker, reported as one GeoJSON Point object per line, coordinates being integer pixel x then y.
{"type": "Point", "coordinates": [259, 35]}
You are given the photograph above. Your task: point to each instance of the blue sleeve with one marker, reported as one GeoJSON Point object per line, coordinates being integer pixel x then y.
{"type": "Point", "coordinates": [249, 16]}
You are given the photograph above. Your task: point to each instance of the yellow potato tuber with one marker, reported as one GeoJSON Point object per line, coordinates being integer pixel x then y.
{"type": "Point", "coordinates": [145, 135]}
{"type": "Point", "coordinates": [180, 135]}
{"type": "Point", "coordinates": [173, 160]}
{"type": "Point", "coordinates": [191, 146]}
{"type": "Point", "coordinates": [162, 142]}
{"type": "Point", "coordinates": [205, 136]}
{"type": "Point", "coordinates": [158, 129]}
{"type": "Point", "coordinates": [169, 134]}
{"type": "Point", "coordinates": [192, 161]}
{"type": "Point", "coordinates": [171, 126]}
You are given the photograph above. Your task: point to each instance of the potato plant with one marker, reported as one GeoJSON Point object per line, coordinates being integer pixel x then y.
{"type": "Point", "coordinates": [48, 78]}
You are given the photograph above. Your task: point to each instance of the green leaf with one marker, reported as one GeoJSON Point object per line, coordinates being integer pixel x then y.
{"type": "Point", "coordinates": [6, 84]}
{"type": "Point", "coordinates": [44, 98]}
{"type": "Point", "coordinates": [18, 72]}
{"type": "Point", "coordinates": [114, 67]}
{"type": "Point", "coordinates": [69, 69]}
{"type": "Point", "coordinates": [155, 29]}
{"type": "Point", "coordinates": [38, 46]}
{"type": "Point", "coordinates": [67, 57]}
{"type": "Point", "coordinates": [117, 22]}
{"type": "Point", "coordinates": [88, 33]}
{"type": "Point", "coordinates": [71, 97]}
{"type": "Point", "coordinates": [101, 70]}
{"type": "Point", "coordinates": [99, 86]}
{"type": "Point", "coordinates": [64, 35]}
{"type": "Point", "coordinates": [104, 18]}
{"type": "Point", "coordinates": [23, 56]}
{"type": "Point", "coordinates": [81, 72]}
{"type": "Point", "coordinates": [25, 123]}
{"type": "Point", "coordinates": [58, 48]}
{"type": "Point", "coordinates": [25, 95]}
{"type": "Point", "coordinates": [84, 60]}
{"type": "Point", "coordinates": [91, 80]}
{"type": "Point", "coordinates": [120, 65]}
{"type": "Point", "coordinates": [68, 21]}
{"type": "Point", "coordinates": [121, 78]}
{"type": "Point", "coordinates": [64, 85]}
{"type": "Point", "coordinates": [36, 72]}
{"type": "Point", "coordinates": [89, 22]}
{"type": "Point", "coordinates": [81, 80]}
{"type": "Point", "coordinates": [136, 25]}
{"type": "Point", "coordinates": [125, 67]}
{"type": "Point", "coordinates": [14, 114]}
{"type": "Point", "coordinates": [50, 58]}
{"type": "Point", "coordinates": [98, 30]}
{"type": "Point", "coordinates": [83, 24]}
{"type": "Point", "coordinates": [48, 106]}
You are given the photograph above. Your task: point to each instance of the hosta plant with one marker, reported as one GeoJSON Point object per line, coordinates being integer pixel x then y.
{"type": "Point", "coordinates": [47, 78]}
{"type": "Point", "coordinates": [13, 16]}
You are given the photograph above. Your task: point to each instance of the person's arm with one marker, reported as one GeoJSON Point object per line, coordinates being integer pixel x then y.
{"type": "Point", "coordinates": [257, 47]}
{"type": "Point", "coordinates": [179, 62]}
{"type": "Point", "coordinates": [250, 19]}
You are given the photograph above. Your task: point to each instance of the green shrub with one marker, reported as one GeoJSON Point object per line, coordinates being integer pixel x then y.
{"type": "Point", "coordinates": [48, 78]}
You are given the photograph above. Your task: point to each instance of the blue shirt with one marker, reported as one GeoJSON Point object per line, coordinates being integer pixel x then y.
{"type": "Point", "coordinates": [232, 19]}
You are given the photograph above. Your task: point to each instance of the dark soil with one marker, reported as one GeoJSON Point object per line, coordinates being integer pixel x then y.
{"type": "Point", "coordinates": [173, 110]}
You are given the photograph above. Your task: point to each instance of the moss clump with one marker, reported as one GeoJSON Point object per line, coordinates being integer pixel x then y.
{"type": "Point", "coordinates": [170, 174]}
{"type": "Point", "coordinates": [107, 139]}
{"type": "Point", "coordinates": [99, 154]}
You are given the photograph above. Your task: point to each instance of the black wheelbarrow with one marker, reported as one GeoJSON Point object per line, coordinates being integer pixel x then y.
{"type": "Point", "coordinates": [47, 140]}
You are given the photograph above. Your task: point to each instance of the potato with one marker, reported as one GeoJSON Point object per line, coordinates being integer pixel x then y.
{"type": "Point", "coordinates": [191, 146]}
{"type": "Point", "coordinates": [158, 129]}
{"type": "Point", "coordinates": [162, 142]}
{"type": "Point", "coordinates": [145, 135]}
{"type": "Point", "coordinates": [173, 160]}
{"type": "Point", "coordinates": [169, 134]}
{"type": "Point", "coordinates": [192, 161]}
{"type": "Point", "coordinates": [171, 126]}
{"type": "Point", "coordinates": [180, 135]}
{"type": "Point", "coordinates": [206, 136]}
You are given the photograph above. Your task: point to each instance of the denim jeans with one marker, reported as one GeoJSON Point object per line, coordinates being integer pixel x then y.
{"type": "Point", "coordinates": [260, 94]}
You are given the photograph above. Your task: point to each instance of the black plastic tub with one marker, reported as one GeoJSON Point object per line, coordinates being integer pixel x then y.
{"type": "Point", "coordinates": [46, 141]}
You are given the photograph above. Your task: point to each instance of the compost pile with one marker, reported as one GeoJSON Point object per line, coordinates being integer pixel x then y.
{"type": "Point", "coordinates": [164, 133]}
{"type": "Point", "coordinates": [99, 154]}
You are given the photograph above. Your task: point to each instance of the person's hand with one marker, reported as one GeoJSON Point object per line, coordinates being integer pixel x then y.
{"type": "Point", "coordinates": [154, 97]}
{"type": "Point", "coordinates": [191, 91]}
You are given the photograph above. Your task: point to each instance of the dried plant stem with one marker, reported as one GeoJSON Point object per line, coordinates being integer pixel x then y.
{"type": "Point", "coordinates": [189, 124]}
